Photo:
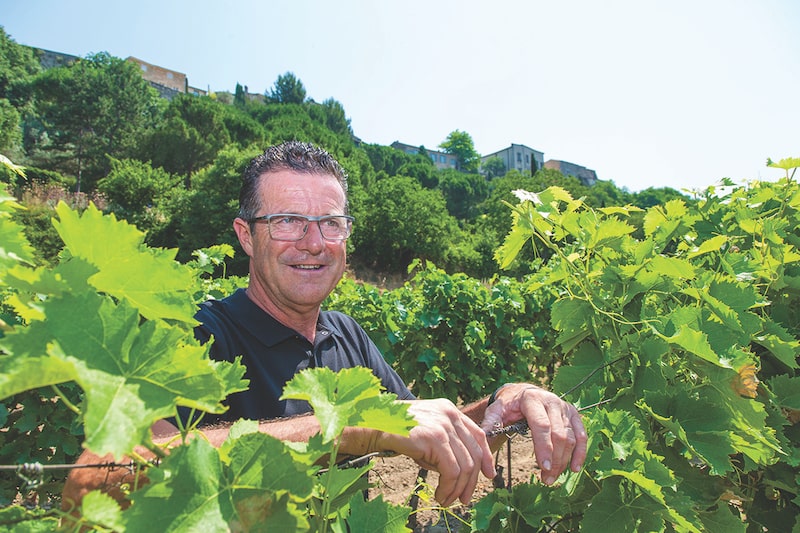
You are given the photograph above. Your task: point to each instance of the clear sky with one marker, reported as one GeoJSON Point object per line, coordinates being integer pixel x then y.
{"type": "Point", "coordinates": [676, 93]}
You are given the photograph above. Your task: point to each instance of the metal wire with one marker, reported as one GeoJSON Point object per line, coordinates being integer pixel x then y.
{"type": "Point", "coordinates": [32, 473]}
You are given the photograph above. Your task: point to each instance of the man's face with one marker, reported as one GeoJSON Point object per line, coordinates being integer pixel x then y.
{"type": "Point", "coordinates": [294, 277]}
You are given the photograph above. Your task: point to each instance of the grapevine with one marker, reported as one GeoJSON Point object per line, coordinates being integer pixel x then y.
{"type": "Point", "coordinates": [674, 330]}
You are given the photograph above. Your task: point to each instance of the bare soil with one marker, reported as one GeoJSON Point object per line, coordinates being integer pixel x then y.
{"type": "Point", "coordinates": [396, 478]}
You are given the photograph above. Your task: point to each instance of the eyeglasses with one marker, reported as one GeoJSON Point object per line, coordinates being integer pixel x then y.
{"type": "Point", "coordinates": [291, 227]}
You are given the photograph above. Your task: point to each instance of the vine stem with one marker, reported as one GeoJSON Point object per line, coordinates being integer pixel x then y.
{"type": "Point", "coordinates": [63, 397]}
{"type": "Point", "coordinates": [326, 500]}
{"type": "Point", "coordinates": [593, 372]}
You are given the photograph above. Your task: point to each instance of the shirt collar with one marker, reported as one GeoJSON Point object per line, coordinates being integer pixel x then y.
{"type": "Point", "coordinates": [267, 328]}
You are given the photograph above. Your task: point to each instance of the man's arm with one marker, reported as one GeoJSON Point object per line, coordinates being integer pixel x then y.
{"type": "Point", "coordinates": [80, 481]}
{"type": "Point", "coordinates": [446, 439]}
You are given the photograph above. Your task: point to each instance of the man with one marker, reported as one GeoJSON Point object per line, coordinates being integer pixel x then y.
{"type": "Point", "coordinates": [293, 225]}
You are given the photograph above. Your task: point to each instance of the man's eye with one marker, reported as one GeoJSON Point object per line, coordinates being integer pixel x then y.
{"type": "Point", "coordinates": [287, 221]}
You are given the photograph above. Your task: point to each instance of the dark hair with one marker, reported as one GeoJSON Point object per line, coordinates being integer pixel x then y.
{"type": "Point", "coordinates": [291, 155]}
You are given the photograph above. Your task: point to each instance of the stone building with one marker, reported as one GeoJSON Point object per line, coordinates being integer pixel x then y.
{"type": "Point", "coordinates": [49, 59]}
{"type": "Point", "coordinates": [442, 160]}
{"type": "Point", "coordinates": [518, 157]}
{"type": "Point", "coordinates": [587, 176]}
{"type": "Point", "coordinates": [167, 82]}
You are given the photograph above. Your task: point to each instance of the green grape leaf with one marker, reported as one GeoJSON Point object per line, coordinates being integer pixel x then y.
{"type": "Point", "coordinates": [661, 222]}
{"type": "Point", "coordinates": [521, 232]}
{"type": "Point", "coordinates": [620, 210]}
{"type": "Point", "coordinates": [623, 436]}
{"type": "Point", "coordinates": [157, 285]}
{"type": "Point", "coordinates": [695, 342]}
{"type": "Point", "coordinates": [194, 490]}
{"type": "Point", "coordinates": [723, 518]}
{"type": "Point", "coordinates": [537, 505]}
{"type": "Point", "coordinates": [713, 244]}
{"type": "Point", "coordinates": [100, 508]}
{"type": "Point", "coordinates": [787, 163]}
{"type": "Point", "coordinates": [654, 489]}
{"type": "Point", "coordinates": [132, 374]}
{"type": "Point", "coordinates": [14, 247]}
{"type": "Point", "coordinates": [617, 509]}
{"type": "Point", "coordinates": [19, 519]}
{"type": "Point", "coordinates": [570, 316]}
{"type": "Point", "coordinates": [671, 267]}
{"type": "Point", "coordinates": [350, 397]}
{"type": "Point", "coordinates": [341, 484]}
{"type": "Point", "coordinates": [786, 390]}
{"type": "Point", "coordinates": [721, 312]}
{"type": "Point", "coordinates": [608, 232]}
{"type": "Point", "coordinates": [779, 342]}
{"type": "Point", "coordinates": [261, 462]}
{"type": "Point", "coordinates": [213, 256]}
{"type": "Point", "coordinates": [25, 373]}
{"type": "Point", "coordinates": [377, 515]}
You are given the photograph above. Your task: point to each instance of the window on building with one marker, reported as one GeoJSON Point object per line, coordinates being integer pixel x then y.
{"type": "Point", "coordinates": [442, 159]}
{"type": "Point", "coordinates": [169, 75]}
{"type": "Point", "coordinates": [144, 68]}
{"type": "Point", "coordinates": [519, 157]}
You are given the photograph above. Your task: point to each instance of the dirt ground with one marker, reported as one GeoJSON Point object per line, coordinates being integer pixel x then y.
{"type": "Point", "coordinates": [396, 477]}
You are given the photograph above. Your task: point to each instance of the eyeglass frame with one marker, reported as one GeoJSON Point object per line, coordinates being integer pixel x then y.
{"type": "Point", "coordinates": [309, 219]}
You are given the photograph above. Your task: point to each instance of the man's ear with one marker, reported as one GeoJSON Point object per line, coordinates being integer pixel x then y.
{"type": "Point", "coordinates": [242, 229]}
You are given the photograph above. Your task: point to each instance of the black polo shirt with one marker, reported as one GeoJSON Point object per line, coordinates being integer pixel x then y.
{"type": "Point", "coordinates": [273, 353]}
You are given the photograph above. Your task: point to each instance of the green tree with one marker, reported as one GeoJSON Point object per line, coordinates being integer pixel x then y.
{"type": "Point", "coordinates": [134, 190]}
{"type": "Point", "coordinates": [404, 221]}
{"type": "Point", "coordinates": [652, 196]}
{"type": "Point", "coordinates": [288, 89]}
{"type": "Point", "coordinates": [393, 162]}
{"type": "Point", "coordinates": [10, 132]}
{"type": "Point", "coordinates": [459, 143]}
{"type": "Point", "coordinates": [285, 122]}
{"type": "Point", "coordinates": [243, 129]}
{"type": "Point", "coordinates": [335, 118]}
{"type": "Point", "coordinates": [605, 194]}
{"type": "Point", "coordinates": [97, 107]}
{"type": "Point", "coordinates": [17, 65]}
{"type": "Point", "coordinates": [548, 177]}
{"type": "Point", "coordinates": [190, 137]}
{"type": "Point", "coordinates": [494, 167]}
{"type": "Point", "coordinates": [422, 171]}
{"type": "Point", "coordinates": [239, 96]}
{"type": "Point", "coordinates": [463, 192]}
{"type": "Point", "coordinates": [203, 216]}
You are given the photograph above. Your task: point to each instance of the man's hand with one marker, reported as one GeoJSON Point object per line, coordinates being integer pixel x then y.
{"type": "Point", "coordinates": [559, 438]}
{"type": "Point", "coordinates": [449, 442]}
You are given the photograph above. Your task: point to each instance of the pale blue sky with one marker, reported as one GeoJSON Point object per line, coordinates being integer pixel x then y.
{"type": "Point", "coordinates": [674, 93]}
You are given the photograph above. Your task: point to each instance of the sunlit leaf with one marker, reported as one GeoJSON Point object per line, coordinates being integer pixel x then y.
{"type": "Point", "coordinates": [150, 279]}
{"type": "Point", "coordinates": [787, 163]}
{"type": "Point", "coordinates": [351, 397]}
{"type": "Point", "coordinates": [376, 515]}
{"type": "Point", "coordinates": [132, 374]}
{"type": "Point", "coordinates": [14, 247]}
{"type": "Point", "coordinates": [193, 490]}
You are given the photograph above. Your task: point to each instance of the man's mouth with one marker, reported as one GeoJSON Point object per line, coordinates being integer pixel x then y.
{"type": "Point", "coordinates": [308, 267]}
